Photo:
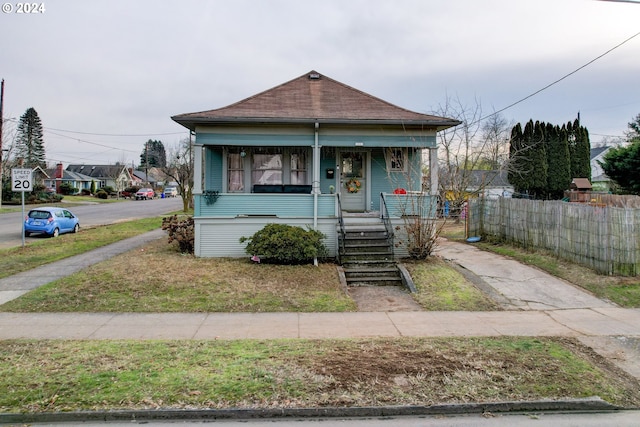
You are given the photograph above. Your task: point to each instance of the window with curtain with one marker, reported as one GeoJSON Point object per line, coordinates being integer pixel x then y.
{"type": "Point", "coordinates": [235, 172]}
{"type": "Point", "coordinates": [298, 168]}
{"type": "Point", "coordinates": [396, 159]}
{"type": "Point", "coordinates": [266, 168]}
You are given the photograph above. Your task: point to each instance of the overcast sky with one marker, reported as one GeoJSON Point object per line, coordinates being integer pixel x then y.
{"type": "Point", "coordinates": [107, 75]}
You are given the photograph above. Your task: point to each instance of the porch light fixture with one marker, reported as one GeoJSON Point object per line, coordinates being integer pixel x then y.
{"type": "Point", "coordinates": [243, 153]}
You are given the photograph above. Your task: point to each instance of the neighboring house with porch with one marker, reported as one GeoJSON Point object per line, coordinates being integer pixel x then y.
{"type": "Point", "coordinates": [59, 176]}
{"type": "Point", "coordinates": [307, 152]}
{"type": "Point", "coordinates": [114, 176]}
{"type": "Point", "coordinates": [39, 176]}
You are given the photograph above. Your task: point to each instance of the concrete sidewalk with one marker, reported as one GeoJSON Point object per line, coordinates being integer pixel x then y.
{"type": "Point", "coordinates": [535, 304]}
{"type": "Point", "coordinates": [571, 323]}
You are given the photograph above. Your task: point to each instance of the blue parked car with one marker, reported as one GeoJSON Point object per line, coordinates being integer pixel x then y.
{"type": "Point", "coordinates": [51, 221]}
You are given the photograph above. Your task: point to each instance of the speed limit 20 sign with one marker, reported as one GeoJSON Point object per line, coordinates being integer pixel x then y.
{"type": "Point", "coordinates": [21, 180]}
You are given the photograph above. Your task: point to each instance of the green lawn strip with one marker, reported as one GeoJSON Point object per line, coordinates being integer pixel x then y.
{"type": "Point", "coordinates": [624, 291]}
{"type": "Point", "coordinates": [442, 288]}
{"type": "Point", "coordinates": [46, 250]}
{"type": "Point", "coordinates": [157, 278]}
{"type": "Point", "coordinates": [38, 376]}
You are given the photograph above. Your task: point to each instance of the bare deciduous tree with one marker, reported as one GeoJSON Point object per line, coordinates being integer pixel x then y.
{"type": "Point", "coordinates": [180, 169]}
{"type": "Point", "coordinates": [476, 144]}
{"type": "Point", "coordinates": [495, 136]}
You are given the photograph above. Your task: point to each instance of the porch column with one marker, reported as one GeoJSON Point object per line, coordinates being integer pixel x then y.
{"type": "Point", "coordinates": [197, 169]}
{"type": "Point", "coordinates": [316, 162]}
{"type": "Point", "coordinates": [433, 171]}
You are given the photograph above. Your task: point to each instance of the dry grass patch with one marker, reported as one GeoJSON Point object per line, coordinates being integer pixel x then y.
{"type": "Point", "coordinates": [157, 279]}
{"type": "Point", "coordinates": [442, 288]}
{"type": "Point", "coordinates": [38, 376]}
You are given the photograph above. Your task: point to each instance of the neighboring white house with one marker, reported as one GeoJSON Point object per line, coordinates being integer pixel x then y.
{"type": "Point", "coordinates": [114, 176]}
{"type": "Point", "coordinates": [490, 184]}
{"type": "Point", "coordinates": [599, 180]}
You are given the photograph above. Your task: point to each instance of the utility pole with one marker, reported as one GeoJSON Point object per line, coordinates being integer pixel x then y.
{"type": "Point", "coordinates": [1, 116]}
{"type": "Point", "coordinates": [146, 161]}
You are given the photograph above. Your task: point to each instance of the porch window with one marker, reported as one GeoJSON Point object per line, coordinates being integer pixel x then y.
{"type": "Point", "coordinates": [298, 168]}
{"type": "Point", "coordinates": [236, 172]}
{"type": "Point", "coordinates": [396, 159]}
{"type": "Point", "coordinates": [267, 168]}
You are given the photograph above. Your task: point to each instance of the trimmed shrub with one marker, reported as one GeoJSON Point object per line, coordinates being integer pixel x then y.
{"type": "Point", "coordinates": [285, 244]}
{"type": "Point", "coordinates": [67, 189]}
{"type": "Point", "coordinates": [102, 194]}
{"type": "Point", "coordinates": [181, 231]}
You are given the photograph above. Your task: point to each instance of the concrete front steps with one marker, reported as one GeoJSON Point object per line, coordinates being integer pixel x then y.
{"type": "Point", "coordinates": [367, 255]}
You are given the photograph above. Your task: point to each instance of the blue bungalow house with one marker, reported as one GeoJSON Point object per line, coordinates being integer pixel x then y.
{"type": "Point", "coordinates": [307, 152]}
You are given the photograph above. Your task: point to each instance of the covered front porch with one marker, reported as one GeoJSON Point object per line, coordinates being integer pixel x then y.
{"type": "Point", "coordinates": [303, 152]}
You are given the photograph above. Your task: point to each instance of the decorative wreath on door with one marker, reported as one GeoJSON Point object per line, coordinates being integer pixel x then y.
{"type": "Point", "coordinates": [353, 185]}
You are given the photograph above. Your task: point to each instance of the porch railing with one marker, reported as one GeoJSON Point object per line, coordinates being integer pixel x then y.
{"type": "Point", "coordinates": [341, 224]}
{"type": "Point", "coordinates": [384, 215]}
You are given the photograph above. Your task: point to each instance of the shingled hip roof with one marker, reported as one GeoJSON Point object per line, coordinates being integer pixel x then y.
{"type": "Point", "coordinates": [310, 98]}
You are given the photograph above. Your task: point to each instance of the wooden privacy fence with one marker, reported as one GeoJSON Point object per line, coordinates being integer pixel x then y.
{"type": "Point", "coordinates": [606, 239]}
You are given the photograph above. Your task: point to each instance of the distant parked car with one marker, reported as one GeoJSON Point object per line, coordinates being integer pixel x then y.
{"type": "Point", "coordinates": [51, 221]}
{"type": "Point", "coordinates": [170, 192]}
{"type": "Point", "coordinates": [129, 192]}
{"type": "Point", "coordinates": [145, 193]}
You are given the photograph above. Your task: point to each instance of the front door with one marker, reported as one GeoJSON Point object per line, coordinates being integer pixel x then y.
{"type": "Point", "coordinates": [352, 181]}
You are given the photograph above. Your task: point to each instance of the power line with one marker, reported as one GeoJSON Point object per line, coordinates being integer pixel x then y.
{"type": "Point", "coordinates": [557, 81]}
{"type": "Point", "coordinates": [134, 135]}
{"type": "Point", "coordinates": [92, 143]}
{"type": "Point", "coordinates": [115, 134]}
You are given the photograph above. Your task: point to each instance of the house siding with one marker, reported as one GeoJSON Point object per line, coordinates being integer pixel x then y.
{"type": "Point", "coordinates": [280, 205]}
{"type": "Point", "coordinates": [278, 136]}
{"type": "Point", "coordinates": [214, 176]}
{"type": "Point", "coordinates": [219, 237]}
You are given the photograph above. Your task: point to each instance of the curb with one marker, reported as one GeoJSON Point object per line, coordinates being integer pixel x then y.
{"type": "Point", "coordinates": [590, 404]}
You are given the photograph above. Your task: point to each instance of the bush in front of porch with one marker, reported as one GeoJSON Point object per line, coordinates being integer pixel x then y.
{"type": "Point", "coordinates": [285, 244]}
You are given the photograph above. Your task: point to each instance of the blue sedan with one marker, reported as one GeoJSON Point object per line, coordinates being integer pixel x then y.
{"type": "Point", "coordinates": [51, 221]}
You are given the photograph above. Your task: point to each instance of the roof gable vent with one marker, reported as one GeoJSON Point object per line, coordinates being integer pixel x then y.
{"type": "Point", "coordinates": [314, 76]}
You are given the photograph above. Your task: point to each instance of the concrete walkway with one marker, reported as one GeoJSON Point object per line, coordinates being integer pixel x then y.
{"type": "Point", "coordinates": [518, 287]}
{"type": "Point", "coordinates": [14, 286]}
{"type": "Point", "coordinates": [571, 322]}
{"type": "Point", "coordinates": [535, 303]}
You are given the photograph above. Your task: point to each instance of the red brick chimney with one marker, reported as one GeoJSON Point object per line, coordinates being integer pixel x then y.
{"type": "Point", "coordinates": [59, 175]}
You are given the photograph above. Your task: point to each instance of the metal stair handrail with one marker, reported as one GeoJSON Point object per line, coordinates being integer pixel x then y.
{"type": "Point", "coordinates": [384, 215]}
{"type": "Point", "coordinates": [343, 234]}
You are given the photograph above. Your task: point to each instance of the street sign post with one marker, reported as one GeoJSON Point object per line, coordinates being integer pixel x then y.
{"type": "Point", "coordinates": [21, 180]}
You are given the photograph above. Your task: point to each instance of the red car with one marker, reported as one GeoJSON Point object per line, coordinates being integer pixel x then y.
{"type": "Point", "coordinates": [145, 193]}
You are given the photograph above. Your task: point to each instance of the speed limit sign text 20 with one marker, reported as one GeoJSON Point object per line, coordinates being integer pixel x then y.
{"type": "Point", "coordinates": [21, 180]}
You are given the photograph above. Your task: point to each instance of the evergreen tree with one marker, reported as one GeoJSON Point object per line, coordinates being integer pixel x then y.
{"type": "Point", "coordinates": [558, 162]}
{"type": "Point", "coordinates": [579, 150]}
{"type": "Point", "coordinates": [581, 155]}
{"type": "Point", "coordinates": [154, 153]}
{"type": "Point", "coordinates": [30, 140]}
{"type": "Point", "coordinates": [622, 164]}
{"type": "Point", "coordinates": [538, 161]}
{"type": "Point", "coordinates": [634, 130]}
{"type": "Point", "coordinates": [516, 160]}
{"type": "Point", "coordinates": [544, 158]}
